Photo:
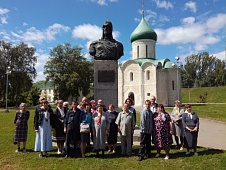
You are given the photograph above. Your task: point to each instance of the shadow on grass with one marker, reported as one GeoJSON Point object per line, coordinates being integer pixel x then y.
{"type": "Point", "coordinates": [174, 153]}
{"type": "Point", "coordinates": [201, 151]}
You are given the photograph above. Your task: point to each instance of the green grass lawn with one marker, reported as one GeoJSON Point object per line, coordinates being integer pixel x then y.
{"type": "Point", "coordinates": [214, 94]}
{"type": "Point", "coordinates": [208, 159]}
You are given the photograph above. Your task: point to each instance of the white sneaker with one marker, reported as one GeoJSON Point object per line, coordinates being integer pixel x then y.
{"type": "Point", "coordinates": [166, 157]}
{"type": "Point", "coordinates": [58, 152]}
{"type": "Point", "coordinates": [157, 155]}
{"type": "Point", "coordinates": [109, 151]}
{"type": "Point", "coordinates": [17, 150]}
{"type": "Point", "coordinates": [187, 153]}
{"type": "Point", "coordinates": [113, 151]}
{"type": "Point", "coordinates": [196, 154]}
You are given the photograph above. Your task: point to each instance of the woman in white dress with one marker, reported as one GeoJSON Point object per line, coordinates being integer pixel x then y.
{"type": "Point", "coordinates": [43, 122]}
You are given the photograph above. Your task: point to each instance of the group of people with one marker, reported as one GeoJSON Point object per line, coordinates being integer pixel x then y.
{"type": "Point", "coordinates": [74, 127]}
{"type": "Point", "coordinates": [158, 126]}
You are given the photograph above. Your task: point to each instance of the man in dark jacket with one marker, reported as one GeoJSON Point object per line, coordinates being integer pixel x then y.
{"type": "Point", "coordinates": [71, 128]}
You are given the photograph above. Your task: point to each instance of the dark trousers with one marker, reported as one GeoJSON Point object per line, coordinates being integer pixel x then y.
{"type": "Point", "coordinates": [71, 136]}
{"type": "Point", "coordinates": [145, 144]}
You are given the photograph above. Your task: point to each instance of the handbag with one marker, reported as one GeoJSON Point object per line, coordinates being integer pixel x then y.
{"type": "Point", "coordinates": [84, 128]}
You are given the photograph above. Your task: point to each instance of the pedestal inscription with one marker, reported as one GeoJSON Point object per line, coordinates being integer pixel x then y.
{"type": "Point", "coordinates": [106, 76]}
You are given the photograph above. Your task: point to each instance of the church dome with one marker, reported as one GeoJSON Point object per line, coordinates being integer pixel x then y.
{"type": "Point", "coordinates": [143, 31]}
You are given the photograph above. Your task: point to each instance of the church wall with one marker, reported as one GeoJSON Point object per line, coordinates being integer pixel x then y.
{"type": "Point", "coordinates": [149, 84]}
{"type": "Point", "coordinates": [133, 85]}
{"type": "Point", "coordinates": [162, 87]}
{"type": "Point", "coordinates": [142, 48]}
{"type": "Point", "coordinates": [173, 86]}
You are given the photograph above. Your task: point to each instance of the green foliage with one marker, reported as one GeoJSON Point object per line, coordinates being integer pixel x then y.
{"type": "Point", "coordinates": [203, 70]}
{"type": "Point", "coordinates": [20, 61]}
{"type": "Point", "coordinates": [69, 71]}
{"type": "Point", "coordinates": [31, 98]}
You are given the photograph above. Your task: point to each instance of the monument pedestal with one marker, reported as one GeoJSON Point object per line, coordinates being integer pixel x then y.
{"type": "Point", "coordinates": [106, 81]}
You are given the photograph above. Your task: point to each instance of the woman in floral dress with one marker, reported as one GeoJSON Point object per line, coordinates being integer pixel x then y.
{"type": "Point", "coordinates": [162, 131]}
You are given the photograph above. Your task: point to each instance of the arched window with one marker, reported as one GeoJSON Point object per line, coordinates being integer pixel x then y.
{"type": "Point", "coordinates": [173, 85]}
{"type": "Point", "coordinates": [148, 75]}
{"type": "Point", "coordinates": [138, 51]}
{"type": "Point", "coordinates": [131, 96]}
{"type": "Point", "coordinates": [131, 76]}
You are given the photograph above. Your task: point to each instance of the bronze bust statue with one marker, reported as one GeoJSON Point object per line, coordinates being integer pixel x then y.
{"type": "Point", "coordinates": [107, 48]}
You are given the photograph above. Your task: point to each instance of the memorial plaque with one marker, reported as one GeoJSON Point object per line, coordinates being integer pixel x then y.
{"type": "Point", "coordinates": [106, 76]}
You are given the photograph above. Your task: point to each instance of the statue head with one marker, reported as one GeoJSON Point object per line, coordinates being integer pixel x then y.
{"type": "Point", "coordinates": [107, 30]}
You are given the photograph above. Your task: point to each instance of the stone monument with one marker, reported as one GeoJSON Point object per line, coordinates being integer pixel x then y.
{"type": "Point", "coordinates": [106, 53]}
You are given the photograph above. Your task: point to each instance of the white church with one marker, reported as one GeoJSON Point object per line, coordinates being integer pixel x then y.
{"type": "Point", "coordinates": [144, 75]}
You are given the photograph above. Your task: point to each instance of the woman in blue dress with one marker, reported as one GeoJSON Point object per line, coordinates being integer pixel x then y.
{"type": "Point", "coordinates": [43, 123]}
{"type": "Point", "coordinates": [190, 122]}
{"type": "Point", "coordinates": [85, 137]}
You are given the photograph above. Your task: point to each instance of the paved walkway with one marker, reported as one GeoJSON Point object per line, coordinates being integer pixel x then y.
{"type": "Point", "coordinates": [212, 133]}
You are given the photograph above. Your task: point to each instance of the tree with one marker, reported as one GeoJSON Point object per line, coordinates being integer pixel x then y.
{"type": "Point", "coordinates": [203, 70]}
{"type": "Point", "coordinates": [21, 59]}
{"type": "Point", "coordinates": [31, 98]}
{"type": "Point", "coordinates": [69, 71]}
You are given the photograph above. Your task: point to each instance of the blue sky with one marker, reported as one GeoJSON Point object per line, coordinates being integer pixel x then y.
{"type": "Point", "coordinates": [183, 27]}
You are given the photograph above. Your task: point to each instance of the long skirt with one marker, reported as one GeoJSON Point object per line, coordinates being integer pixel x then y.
{"type": "Point", "coordinates": [190, 139]}
{"type": "Point", "coordinates": [43, 141]}
{"type": "Point", "coordinates": [20, 133]}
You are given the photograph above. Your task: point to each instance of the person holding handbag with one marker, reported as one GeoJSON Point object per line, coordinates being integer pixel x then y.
{"type": "Point", "coordinates": [85, 136]}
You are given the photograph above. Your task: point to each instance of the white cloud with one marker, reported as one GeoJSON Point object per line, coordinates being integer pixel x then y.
{"type": "Point", "coordinates": [3, 11]}
{"type": "Point", "coordinates": [32, 34]}
{"type": "Point", "coordinates": [100, 2]}
{"type": "Point", "coordinates": [103, 2]}
{"type": "Point", "coordinates": [5, 35]}
{"type": "Point", "coordinates": [188, 20]}
{"type": "Point", "coordinates": [150, 14]}
{"type": "Point", "coordinates": [191, 5]}
{"type": "Point", "coordinates": [40, 76]}
{"type": "Point", "coordinates": [163, 4]}
{"type": "Point", "coordinates": [216, 23]}
{"type": "Point", "coordinates": [90, 32]}
{"type": "Point", "coordinates": [25, 24]}
{"type": "Point", "coordinates": [4, 20]}
{"type": "Point", "coordinates": [41, 61]}
{"type": "Point", "coordinates": [221, 55]}
{"type": "Point", "coordinates": [199, 34]}
{"type": "Point", "coordinates": [163, 18]}
{"type": "Point", "coordinates": [87, 32]}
